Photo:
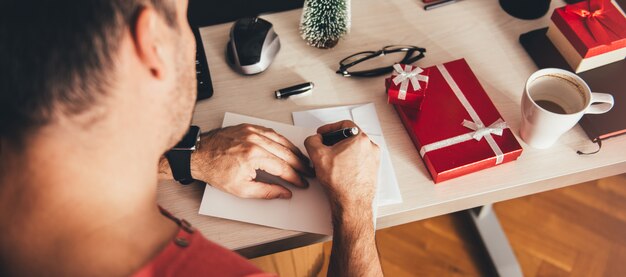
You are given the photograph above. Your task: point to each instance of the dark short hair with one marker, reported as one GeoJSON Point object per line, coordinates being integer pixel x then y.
{"type": "Point", "coordinates": [56, 56]}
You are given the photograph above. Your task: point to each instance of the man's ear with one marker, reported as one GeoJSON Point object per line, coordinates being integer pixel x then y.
{"type": "Point", "coordinates": [148, 41]}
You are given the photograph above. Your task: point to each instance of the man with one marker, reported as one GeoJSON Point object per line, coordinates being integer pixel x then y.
{"type": "Point", "coordinates": [92, 94]}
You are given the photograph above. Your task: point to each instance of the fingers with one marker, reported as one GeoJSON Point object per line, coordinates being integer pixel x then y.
{"type": "Point", "coordinates": [279, 146]}
{"type": "Point", "coordinates": [271, 134]}
{"type": "Point", "coordinates": [335, 126]}
{"type": "Point", "coordinates": [313, 141]}
{"type": "Point", "coordinates": [261, 190]}
{"type": "Point", "coordinates": [313, 144]}
{"type": "Point", "coordinates": [277, 167]}
{"type": "Point", "coordinates": [281, 152]}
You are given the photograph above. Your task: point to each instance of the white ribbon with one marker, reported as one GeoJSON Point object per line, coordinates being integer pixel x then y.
{"type": "Point", "coordinates": [495, 128]}
{"type": "Point", "coordinates": [406, 75]}
{"type": "Point", "coordinates": [480, 131]}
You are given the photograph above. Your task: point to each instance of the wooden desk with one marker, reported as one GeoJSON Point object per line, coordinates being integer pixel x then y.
{"type": "Point", "coordinates": [479, 31]}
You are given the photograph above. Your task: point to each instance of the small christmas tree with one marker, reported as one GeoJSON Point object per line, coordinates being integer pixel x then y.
{"type": "Point", "coordinates": [324, 22]}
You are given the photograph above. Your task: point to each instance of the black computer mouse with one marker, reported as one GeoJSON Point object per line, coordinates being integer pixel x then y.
{"type": "Point", "coordinates": [253, 45]}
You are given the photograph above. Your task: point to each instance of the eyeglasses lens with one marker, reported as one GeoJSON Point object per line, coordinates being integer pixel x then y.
{"type": "Point", "coordinates": [379, 61]}
{"type": "Point", "coordinates": [398, 47]}
{"type": "Point", "coordinates": [356, 57]}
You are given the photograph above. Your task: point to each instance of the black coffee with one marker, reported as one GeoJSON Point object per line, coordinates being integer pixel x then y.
{"type": "Point", "coordinates": [558, 94]}
{"type": "Point", "coordinates": [550, 106]}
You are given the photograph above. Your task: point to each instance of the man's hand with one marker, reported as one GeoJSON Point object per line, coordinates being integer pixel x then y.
{"type": "Point", "coordinates": [348, 171]}
{"type": "Point", "coordinates": [228, 159]}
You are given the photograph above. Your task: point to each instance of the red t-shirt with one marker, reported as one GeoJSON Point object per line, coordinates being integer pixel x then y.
{"type": "Point", "coordinates": [190, 254]}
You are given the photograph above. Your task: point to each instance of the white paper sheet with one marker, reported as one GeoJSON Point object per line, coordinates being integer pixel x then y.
{"type": "Point", "coordinates": [366, 118]}
{"type": "Point", "coordinates": [308, 210]}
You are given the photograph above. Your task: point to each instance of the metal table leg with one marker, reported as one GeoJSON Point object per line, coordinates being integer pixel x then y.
{"type": "Point", "coordinates": [495, 241]}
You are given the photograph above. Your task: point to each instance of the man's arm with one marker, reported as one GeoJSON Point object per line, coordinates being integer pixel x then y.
{"type": "Point", "coordinates": [348, 171]}
{"type": "Point", "coordinates": [354, 250]}
{"type": "Point", "coordinates": [228, 159]}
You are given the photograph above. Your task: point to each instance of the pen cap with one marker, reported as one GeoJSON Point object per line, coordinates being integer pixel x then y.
{"type": "Point", "coordinates": [353, 131]}
{"type": "Point", "coordinates": [294, 90]}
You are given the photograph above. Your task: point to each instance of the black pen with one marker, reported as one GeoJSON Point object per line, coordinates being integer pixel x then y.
{"type": "Point", "coordinates": [329, 139]}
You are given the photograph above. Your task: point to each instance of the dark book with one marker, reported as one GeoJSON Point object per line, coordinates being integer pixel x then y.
{"type": "Point", "coordinates": [610, 78]}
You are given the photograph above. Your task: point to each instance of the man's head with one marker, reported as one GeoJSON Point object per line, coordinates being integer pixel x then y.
{"type": "Point", "coordinates": [80, 63]}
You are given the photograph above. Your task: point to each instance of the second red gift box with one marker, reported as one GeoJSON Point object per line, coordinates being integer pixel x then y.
{"type": "Point", "coordinates": [407, 86]}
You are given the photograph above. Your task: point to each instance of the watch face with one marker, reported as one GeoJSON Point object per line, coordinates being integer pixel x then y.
{"type": "Point", "coordinates": [189, 140]}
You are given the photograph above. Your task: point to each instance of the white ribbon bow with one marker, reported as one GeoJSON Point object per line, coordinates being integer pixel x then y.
{"type": "Point", "coordinates": [406, 75]}
{"type": "Point", "coordinates": [481, 131]}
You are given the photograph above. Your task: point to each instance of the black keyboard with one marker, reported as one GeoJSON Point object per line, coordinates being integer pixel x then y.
{"type": "Point", "coordinates": [205, 87]}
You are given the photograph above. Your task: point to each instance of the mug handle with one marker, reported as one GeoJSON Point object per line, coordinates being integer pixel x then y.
{"type": "Point", "coordinates": [606, 101]}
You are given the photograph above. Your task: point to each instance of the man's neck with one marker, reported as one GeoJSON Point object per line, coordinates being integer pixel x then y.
{"type": "Point", "coordinates": [87, 193]}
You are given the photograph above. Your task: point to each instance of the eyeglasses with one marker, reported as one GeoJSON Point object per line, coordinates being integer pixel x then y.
{"type": "Point", "coordinates": [364, 64]}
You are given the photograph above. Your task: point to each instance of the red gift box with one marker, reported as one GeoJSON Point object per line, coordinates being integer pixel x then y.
{"type": "Point", "coordinates": [592, 27]}
{"type": "Point", "coordinates": [407, 86]}
{"type": "Point", "coordinates": [458, 130]}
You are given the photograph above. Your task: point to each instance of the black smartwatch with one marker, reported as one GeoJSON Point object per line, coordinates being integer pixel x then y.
{"type": "Point", "coordinates": [179, 157]}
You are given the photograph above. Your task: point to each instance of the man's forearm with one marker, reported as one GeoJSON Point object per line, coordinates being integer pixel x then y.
{"type": "Point", "coordinates": [164, 171]}
{"type": "Point", "coordinates": [354, 250]}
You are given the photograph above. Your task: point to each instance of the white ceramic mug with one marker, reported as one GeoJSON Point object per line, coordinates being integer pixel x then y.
{"type": "Point", "coordinates": [553, 102]}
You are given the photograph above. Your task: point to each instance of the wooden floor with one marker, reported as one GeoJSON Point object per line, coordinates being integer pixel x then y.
{"type": "Point", "coordinates": [575, 231]}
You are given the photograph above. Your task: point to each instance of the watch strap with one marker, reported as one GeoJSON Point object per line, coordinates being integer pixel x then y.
{"type": "Point", "coordinates": [180, 164]}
